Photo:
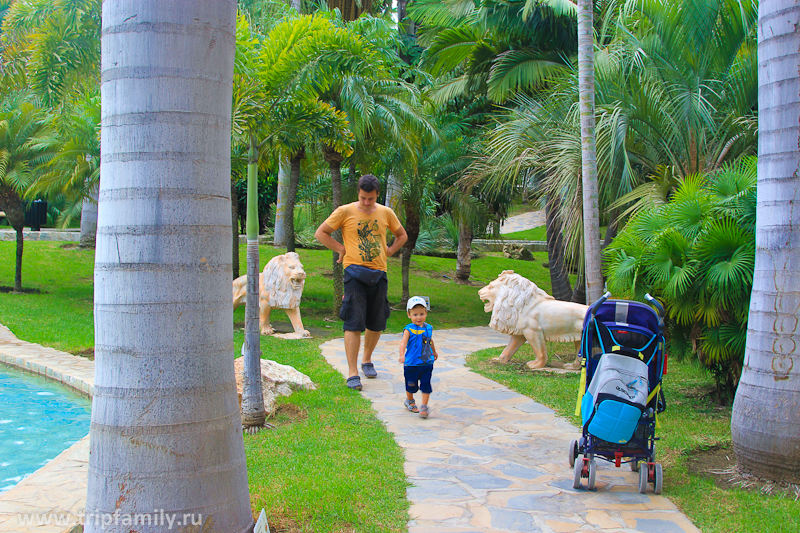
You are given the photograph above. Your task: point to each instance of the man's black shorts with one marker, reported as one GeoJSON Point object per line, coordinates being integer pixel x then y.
{"type": "Point", "coordinates": [418, 378]}
{"type": "Point", "coordinates": [365, 305]}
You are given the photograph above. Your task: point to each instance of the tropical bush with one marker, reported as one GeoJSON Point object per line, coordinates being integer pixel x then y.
{"type": "Point", "coordinates": [696, 253]}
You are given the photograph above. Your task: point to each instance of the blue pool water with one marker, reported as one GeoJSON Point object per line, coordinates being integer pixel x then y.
{"type": "Point", "coordinates": [38, 420]}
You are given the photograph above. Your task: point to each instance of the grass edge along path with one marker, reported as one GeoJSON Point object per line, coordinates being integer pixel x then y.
{"type": "Point", "coordinates": [692, 422]}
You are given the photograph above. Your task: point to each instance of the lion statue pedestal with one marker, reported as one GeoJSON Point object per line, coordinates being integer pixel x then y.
{"type": "Point", "coordinates": [527, 313]}
{"type": "Point", "coordinates": [280, 286]}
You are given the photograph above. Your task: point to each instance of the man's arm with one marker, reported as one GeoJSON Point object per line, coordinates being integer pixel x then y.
{"type": "Point", "coordinates": [323, 235]}
{"type": "Point", "coordinates": [400, 238]}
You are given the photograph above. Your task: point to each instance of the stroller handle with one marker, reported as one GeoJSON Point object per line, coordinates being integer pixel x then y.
{"type": "Point", "coordinates": [655, 303]}
{"type": "Point", "coordinates": [598, 303]}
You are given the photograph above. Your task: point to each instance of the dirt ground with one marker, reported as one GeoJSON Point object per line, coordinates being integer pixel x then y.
{"type": "Point", "coordinates": [720, 464]}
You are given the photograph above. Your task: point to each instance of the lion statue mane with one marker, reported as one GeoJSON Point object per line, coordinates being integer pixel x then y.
{"type": "Point", "coordinates": [280, 287]}
{"type": "Point", "coordinates": [521, 309]}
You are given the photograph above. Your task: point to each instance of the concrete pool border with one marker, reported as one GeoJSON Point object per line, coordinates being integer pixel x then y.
{"type": "Point", "coordinates": [59, 487]}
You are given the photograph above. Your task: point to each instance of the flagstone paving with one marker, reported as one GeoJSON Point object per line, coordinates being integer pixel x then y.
{"type": "Point", "coordinates": [489, 460]}
{"type": "Point", "coordinates": [532, 219]}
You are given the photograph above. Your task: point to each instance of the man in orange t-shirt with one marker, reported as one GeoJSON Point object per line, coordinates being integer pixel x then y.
{"type": "Point", "coordinates": [365, 306]}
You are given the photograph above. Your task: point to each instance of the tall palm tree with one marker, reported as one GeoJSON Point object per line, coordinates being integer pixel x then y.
{"type": "Point", "coordinates": [26, 144]}
{"type": "Point", "coordinates": [54, 45]}
{"type": "Point", "coordinates": [765, 423]}
{"type": "Point", "coordinates": [591, 211]}
{"type": "Point", "coordinates": [73, 174]}
{"type": "Point", "coordinates": [166, 431]}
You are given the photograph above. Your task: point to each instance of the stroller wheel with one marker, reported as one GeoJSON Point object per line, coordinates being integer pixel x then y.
{"type": "Point", "coordinates": [658, 479]}
{"type": "Point", "coordinates": [643, 478]}
{"type": "Point", "coordinates": [576, 478]}
{"type": "Point", "coordinates": [592, 474]}
{"type": "Point", "coordinates": [573, 452]}
{"type": "Point", "coordinates": [634, 465]}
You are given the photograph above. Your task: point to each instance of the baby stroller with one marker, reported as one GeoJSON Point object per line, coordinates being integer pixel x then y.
{"type": "Point", "coordinates": [622, 350]}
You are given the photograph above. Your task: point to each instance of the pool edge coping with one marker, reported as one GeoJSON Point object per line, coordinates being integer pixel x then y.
{"type": "Point", "coordinates": [70, 459]}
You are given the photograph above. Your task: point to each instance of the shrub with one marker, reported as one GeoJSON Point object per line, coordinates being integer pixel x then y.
{"type": "Point", "coordinates": [696, 253]}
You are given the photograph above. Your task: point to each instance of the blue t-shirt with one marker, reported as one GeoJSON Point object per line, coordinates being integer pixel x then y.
{"type": "Point", "coordinates": [418, 349]}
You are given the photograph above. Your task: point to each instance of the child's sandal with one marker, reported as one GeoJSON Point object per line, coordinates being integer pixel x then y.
{"type": "Point", "coordinates": [411, 405]}
{"type": "Point", "coordinates": [423, 411]}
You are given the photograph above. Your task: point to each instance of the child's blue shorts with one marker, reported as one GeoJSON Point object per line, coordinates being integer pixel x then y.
{"type": "Point", "coordinates": [418, 378]}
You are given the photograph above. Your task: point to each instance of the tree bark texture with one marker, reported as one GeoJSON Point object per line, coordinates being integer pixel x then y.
{"type": "Point", "coordinates": [591, 213]}
{"type": "Point", "coordinates": [350, 9]}
{"type": "Point", "coordinates": [464, 255]}
{"type": "Point", "coordinates": [11, 205]}
{"type": "Point", "coordinates": [89, 220]}
{"type": "Point", "coordinates": [291, 198]}
{"type": "Point", "coordinates": [579, 292]}
{"type": "Point", "coordinates": [234, 231]}
{"type": "Point", "coordinates": [765, 422]}
{"type": "Point", "coordinates": [335, 163]}
{"type": "Point", "coordinates": [394, 192]}
{"type": "Point", "coordinates": [166, 432]}
{"type": "Point", "coordinates": [559, 275]}
{"type": "Point", "coordinates": [253, 413]}
{"type": "Point", "coordinates": [412, 230]}
{"type": "Point", "coordinates": [279, 238]}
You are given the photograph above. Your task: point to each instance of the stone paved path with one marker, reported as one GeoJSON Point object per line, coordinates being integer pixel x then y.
{"type": "Point", "coordinates": [533, 219]}
{"type": "Point", "coordinates": [489, 460]}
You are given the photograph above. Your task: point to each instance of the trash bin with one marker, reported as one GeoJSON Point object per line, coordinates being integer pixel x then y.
{"type": "Point", "coordinates": [35, 214]}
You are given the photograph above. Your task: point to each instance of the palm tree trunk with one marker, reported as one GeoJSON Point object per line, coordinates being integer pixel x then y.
{"type": "Point", "coordinates": [412, 230]}
{"type": "Point", "coordinates": [235, 230]}
{"type": "Point", "coordinates": [11, 204]}
{"type": "Point", "coordinates": [280, 205]}
{"type": "Point", "coordinates": [591, 213]}
{"type": "Point", "coordinates": [394, 192]}
{"type": "Point", "coordinates": [89, 220]}
{"type": "Point", "coordinates": [464, 255]}
{"type": "Point", "coordinates": [291, 198]}
{"type": "Point", "coordinates": [338, 271]}
{"type": "Point", "coordinates": [579, 293]}
{"type": "Point", "coordinates": [559, 275]}
{"type": "Point", "coordinates": [166, 431]}
{"type": "Point", "coordinates": [765, 422]}
{"type": "Point", "coordinates": [253, 413]}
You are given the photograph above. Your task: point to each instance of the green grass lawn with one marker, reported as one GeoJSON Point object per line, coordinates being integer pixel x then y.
{"type": "Point", "coordinates": [330, 465]}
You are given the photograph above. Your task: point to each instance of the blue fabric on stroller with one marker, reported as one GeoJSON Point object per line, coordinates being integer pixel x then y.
{"type": "Point", "coordinates": [620, 393]}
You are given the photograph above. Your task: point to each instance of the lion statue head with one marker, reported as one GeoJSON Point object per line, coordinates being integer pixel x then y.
{"type": "Point", "coordinates": [284, 279]}
{"type": "Point", "coordinates": [505, 298]}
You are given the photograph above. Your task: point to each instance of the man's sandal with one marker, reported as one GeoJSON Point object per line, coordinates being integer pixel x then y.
{"type": "Point", "coordinates": [369, 370]}
{"type": "Point", "coordinates": [423, 411]}
{"type": "Point", "coordinates": [411, 406]}
{"type": "Point", "coordinates": [354, 383]}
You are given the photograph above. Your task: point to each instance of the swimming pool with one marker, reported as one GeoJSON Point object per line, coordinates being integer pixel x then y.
{"type": "Point", "coordinates": [38, 420]}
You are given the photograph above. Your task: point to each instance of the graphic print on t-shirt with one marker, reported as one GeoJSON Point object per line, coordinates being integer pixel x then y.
{"type": "Point", "coordinates": [369, 244]}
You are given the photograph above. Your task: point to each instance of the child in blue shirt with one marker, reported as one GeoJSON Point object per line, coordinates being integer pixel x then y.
{"type": "Point", "coordinates": [417, 353]}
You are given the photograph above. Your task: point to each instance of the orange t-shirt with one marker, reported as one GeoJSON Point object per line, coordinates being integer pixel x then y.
{"type": "Point", "coordinates": [364, 235]}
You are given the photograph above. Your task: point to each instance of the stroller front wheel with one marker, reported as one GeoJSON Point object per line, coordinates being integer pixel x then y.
{"type": "Point", "coordinates": [576, 478]}
{"type": "Point", "coordinates": [573, 452]}
{"type": "Point", "coordinates": [658, 479]}
{"type": "Point", "coordinates": [592, 474]}
{"type": "Point", "coordinates": [643, 478]}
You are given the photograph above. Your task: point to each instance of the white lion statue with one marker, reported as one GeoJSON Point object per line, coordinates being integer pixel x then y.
{"type": "Point", "coordinates": [524, 311]}
{"type": "Point", "coordinates": [280, 286]}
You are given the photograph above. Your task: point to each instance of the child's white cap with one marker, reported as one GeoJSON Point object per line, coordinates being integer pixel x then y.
{"type": "Point", "coordinates": [414, 301]}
